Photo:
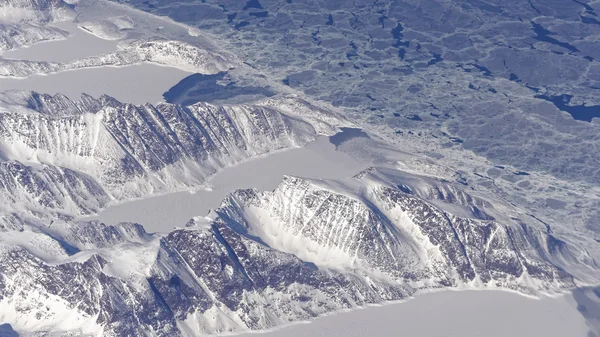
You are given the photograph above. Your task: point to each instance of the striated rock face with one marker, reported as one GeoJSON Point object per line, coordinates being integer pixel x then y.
{"type": "Point", "coordinates": [263, 258]}
{"type": "Point", "coordinates": [201, 281]}
{"type": "Point", "coordinates": [48, 187]}
{"type": "Point", "coordinates": [390, 234]}
{"type": "Point", "coordinates": [486, 251]}
{"type": "Point", "coordinates": [54, 147]}
{"type": "Point", "coordinates": [266, 258]}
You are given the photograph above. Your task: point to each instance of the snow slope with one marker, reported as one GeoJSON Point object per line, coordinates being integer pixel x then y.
{"type": "Point", "coordinates": [120, 151]}
{"type": "Point", "coordinates": [267, 258]}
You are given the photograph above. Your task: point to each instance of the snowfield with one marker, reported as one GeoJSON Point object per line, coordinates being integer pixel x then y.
{"type": "Point", "coordinates": [317, 160]}
{"type": "Point", "coordinates": [138, 84]}
{"type": "Point", "coordinates": [449, 314]}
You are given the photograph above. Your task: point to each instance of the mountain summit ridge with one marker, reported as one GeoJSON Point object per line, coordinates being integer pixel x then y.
{"type": "Point", "coordinates": [231, 271]}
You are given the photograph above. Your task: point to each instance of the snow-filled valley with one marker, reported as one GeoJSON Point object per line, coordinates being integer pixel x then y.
{"type": "Point", "coordinates": [138, 84]}
{"type": "Point", "coordinates": [317, 160]}
{"type": "Point", "coordinates": [449, 314]}
{"type": "Point", "coordinates": [78, 44]}
{"type": "Point", "coordinates": [249, 203]}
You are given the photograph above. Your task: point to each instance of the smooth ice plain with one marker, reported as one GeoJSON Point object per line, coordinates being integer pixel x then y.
{"type": "Point", "coordinates": [449, 314]}
{"type": "Point", "coordinates": [137, 84]}
{"type": "Point", "coordinates": [317, 160]}
{"type": "Point", "coordinates": [78, 45]}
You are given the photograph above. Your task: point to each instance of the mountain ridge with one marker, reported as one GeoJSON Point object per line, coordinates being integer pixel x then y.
{"type": "Point", "coordinates": [221, 265]}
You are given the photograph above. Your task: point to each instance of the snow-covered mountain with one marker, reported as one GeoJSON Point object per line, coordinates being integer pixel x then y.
{"type": "Point", "coordinates": [71, 157]}
{"type": "Point", "coordinates": [267, 258]}
{"type": "Point", "coordinates": [261, 259]}
{"type": "Point", "coordinates": [389, 232]}
{"type": "Point", "coordinates": [34, 11]}
{"type": "Point", "coordinates": [23, 23]}
{"type": "Point", "coordinates": [164, 52]}
{"type": "Point", "coordinates": [14, 36]}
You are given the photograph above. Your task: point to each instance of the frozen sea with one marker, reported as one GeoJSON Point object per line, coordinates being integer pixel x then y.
{"type": "Point", "coordinates": [79, 45]}
{"type": "Point", "coordinates": [317, 160]}
{"type": "Point", "coordinates": [450, 314]}
{"type": "Point", "coordinates": [138, 84]}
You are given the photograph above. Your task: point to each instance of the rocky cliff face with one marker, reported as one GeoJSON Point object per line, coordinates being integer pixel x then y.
{"type": "Point", "coordinates": [392, 234]}
{"type": "Point", "coordinates": [263, 258]}
{"type": "Point", "coordinates": [53, 146]}
{"type": "Point", "coordinates": [266, 258]}
{"type": "Point", "coordinates": [199, 281]}
{"type": "Point", "coordinates": [42, 188]}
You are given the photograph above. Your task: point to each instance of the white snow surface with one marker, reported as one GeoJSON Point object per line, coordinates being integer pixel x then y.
{"type": "Point", "coordinates": [317, 160]}
{"type": "Point", "coordinates": [137, 84]}
{"type": "Point", "coordinates": [449, 314]}
{"type": "Point", "coordinates": [78, 44]}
